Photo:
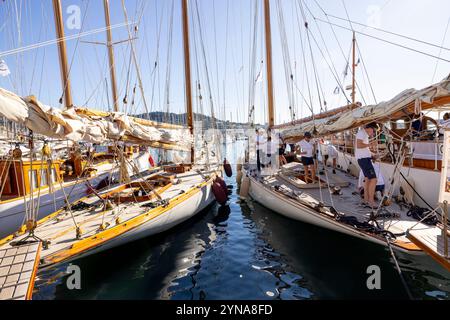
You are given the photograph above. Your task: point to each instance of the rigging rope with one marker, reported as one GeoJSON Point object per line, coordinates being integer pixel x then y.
{"type": "Point", "coordinates": [386, 41]}
{"type": "Point", "coordinates": [66, 81]}
{"type": "Point", "coordinates": [441, 47]}
{"type": "Point", "coordinates": [440, 50]}
{"type": "Point", "coordinates": [252, 70]}
{"type": "Point", "coordinates": [289, 77]}
{"type": "Point", "coordinates": [318, 87]}
{"type": "Point", "coordinates": [304, 63]}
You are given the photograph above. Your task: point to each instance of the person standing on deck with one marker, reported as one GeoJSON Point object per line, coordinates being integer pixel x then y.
{"type": "Point", "coordinates": [364, 157]}
{"type": "Point", "coordinates": [261, 144]}
{"type": "Point", "coordinates": [333, 154]}
{"type": "Point", "coordinates": [306, 150]}
{"type": "Point", "coordinates": [380, 180]}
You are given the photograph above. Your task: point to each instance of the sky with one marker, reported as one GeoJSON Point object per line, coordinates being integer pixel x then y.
{"type": "Point", "coordinates": [221, 37]}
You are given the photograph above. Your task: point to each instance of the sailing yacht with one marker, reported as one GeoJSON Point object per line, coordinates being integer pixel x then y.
{"type": "Point", "coordinates": [30, 170]}
{"type": "Point", "coordinates": [332, 202]}
{"type": "Point", "coordinates": [149, 203]}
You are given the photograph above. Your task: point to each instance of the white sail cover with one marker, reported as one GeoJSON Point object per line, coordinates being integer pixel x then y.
{"type": "Point", "coordinates": [72, 125]}
{"type": "Point", "coordinates": [353, 118]}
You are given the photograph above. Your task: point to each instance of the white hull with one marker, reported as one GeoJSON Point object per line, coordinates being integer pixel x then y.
{"type": "Point", "coordinates": [294, 210]}
{"type": "Point", "coordinates": [12, 213]}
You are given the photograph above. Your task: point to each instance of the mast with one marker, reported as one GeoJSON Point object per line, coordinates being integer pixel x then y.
{"type": "Point", "coordinates": [354, 70]}
{"type": "Point", "coordinates": [268, 37]}
{"type": "Point", "coordinates": [62, 52]}
{"type": "Point", "coordinates": [187, 71]}
{"type": "Point", "coordinates": [112, 67]}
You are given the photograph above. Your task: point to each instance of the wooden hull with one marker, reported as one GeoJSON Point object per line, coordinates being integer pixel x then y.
{"type": "Point", "coordinates": [175, 215]}
{"type": "Point", "coordinates": [170, 219]}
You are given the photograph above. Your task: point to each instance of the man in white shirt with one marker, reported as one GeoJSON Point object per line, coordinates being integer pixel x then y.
{"type": "Point", "coordinates": [306, 150]}
{"type": "Point", "coordinates": [364, 157]}
{"type": "Point", "coordinates": [260, 147]}
{"type": "Point", "coordinates": [380, 180]}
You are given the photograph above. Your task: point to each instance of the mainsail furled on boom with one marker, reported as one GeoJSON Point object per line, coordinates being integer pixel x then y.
{"type": "Point", "coordinates": [79, 124]}
{"type": "Point", "coordinates": [409, 101]}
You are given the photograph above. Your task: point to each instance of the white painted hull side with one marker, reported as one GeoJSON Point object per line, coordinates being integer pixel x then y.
{"type": "Point", "coordinates": [294, 210]}
{"type": "Point", "coordinates": [169, 219]}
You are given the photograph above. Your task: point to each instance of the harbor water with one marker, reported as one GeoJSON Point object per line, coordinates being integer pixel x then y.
{"type": "Point", "coordinates": [245, 251]}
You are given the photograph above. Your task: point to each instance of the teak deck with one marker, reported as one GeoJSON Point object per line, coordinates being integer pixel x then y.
{"type": "Point", "coordinates": [430, 240]}
{"type": "Point", "coordinates": [18, 267]}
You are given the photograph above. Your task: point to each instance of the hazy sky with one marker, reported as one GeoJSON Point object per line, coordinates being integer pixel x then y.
{"type": "Point", "coordinates": [227, 31]}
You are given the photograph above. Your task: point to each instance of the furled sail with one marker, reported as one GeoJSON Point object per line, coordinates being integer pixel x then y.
{"type": "Point", "coordinates": [407, 102]}
{"type": "Point", "coordinates": [91, 126]}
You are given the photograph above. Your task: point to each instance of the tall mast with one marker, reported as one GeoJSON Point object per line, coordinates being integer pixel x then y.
{"type": "Point", "coordinates": [187, 70]}
{"type": "Point", "coordinates": [354, 70]}
{"type": "Point", "coordinates": [62, 52]}
{"type": "Point", "coordinates": [268, 31]}
{"type": "Point", "coordinates": [112, 67]}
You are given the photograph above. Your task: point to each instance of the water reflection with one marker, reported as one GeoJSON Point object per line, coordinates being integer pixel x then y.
{"type": "Point", "coordinates": [335, 265]}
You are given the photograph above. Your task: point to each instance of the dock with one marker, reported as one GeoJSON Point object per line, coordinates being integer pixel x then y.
{"type": "Point", "coordinates": [18, 267]}
{"type": "Point", "coordinates": [435, 241]}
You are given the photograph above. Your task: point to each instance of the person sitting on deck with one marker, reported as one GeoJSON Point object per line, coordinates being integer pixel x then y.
{"type": "Point", "coordinates": [306, 150]}
{"type": "Point", "coordinates": [364, 157]}
{"type": "Point", "coordinates": [380, 180]}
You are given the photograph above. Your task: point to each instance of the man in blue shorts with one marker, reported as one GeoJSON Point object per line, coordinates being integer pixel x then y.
{"type": "Point", "coordinates": [306, 149]}
{"type": "Point", "coordinates": [364, 157]}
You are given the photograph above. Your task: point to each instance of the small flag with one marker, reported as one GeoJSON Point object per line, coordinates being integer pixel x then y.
{"type": "Point", "coordinates": [259, 77]}
{"type": "Point", "coordinates": [346, 70]}
{"type": "Point", "coordinates": [4, 70]}
{"type": "Point", "coordinates": [336, 90]}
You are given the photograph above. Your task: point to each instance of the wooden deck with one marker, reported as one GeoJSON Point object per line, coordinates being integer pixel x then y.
{"type": "Point", "coordinates": [18, 267]}
{"type": "Point", "coordinates": [431, 240]}
{"type": "Point", "coordinates": [97, 224]}
{"type": "Point", "coordinates": [347, 201]}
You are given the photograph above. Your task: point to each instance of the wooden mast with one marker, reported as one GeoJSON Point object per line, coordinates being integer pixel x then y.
{"type": "Point", "coordinates": [62, 52]}
{"type": "Point", "coordinates": [187, 71]}
{"type": "Point", "coordinates": [354, 70]}
{"type": "Point", "coordinates": [112, 67]}
{"type": "Point", "coordinates": [268, 37]}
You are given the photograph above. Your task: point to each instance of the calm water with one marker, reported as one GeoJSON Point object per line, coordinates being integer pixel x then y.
{"type": "Point", "coordinates": [245, 251]}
